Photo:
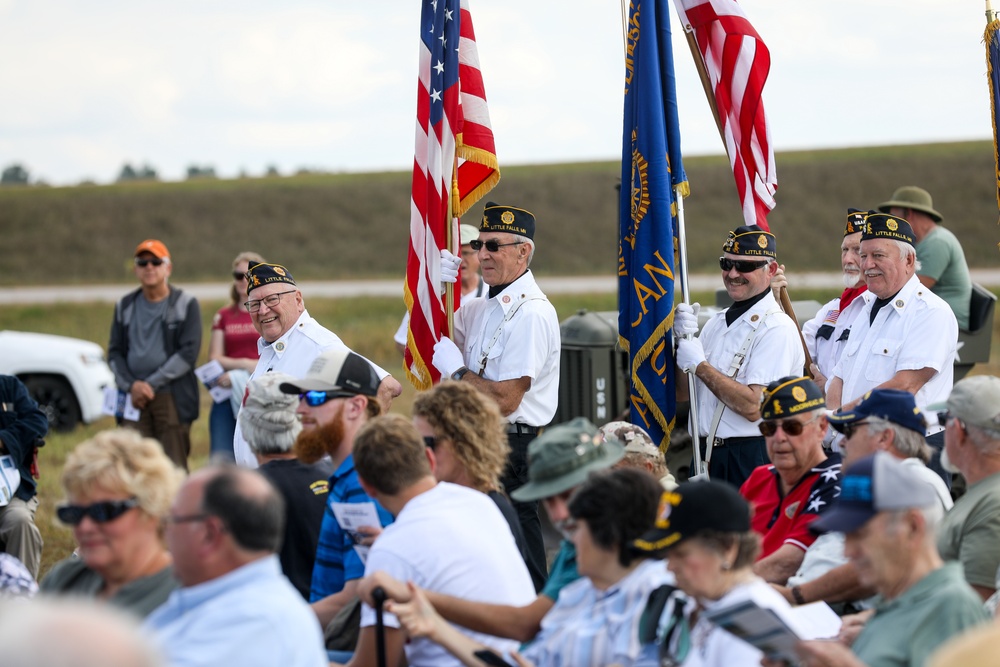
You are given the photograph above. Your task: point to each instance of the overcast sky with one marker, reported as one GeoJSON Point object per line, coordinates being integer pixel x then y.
{"type": "Point", "coordinates": [88, 85]}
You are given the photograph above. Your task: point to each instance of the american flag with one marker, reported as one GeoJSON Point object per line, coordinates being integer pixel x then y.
{"type": "Point", "coordinates": [454, 157]}
{"type": "Point", "coordinates": [737, 63]}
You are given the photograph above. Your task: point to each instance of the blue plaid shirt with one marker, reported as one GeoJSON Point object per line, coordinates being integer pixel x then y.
{"type": "Point", "coordinates": [336, 560]}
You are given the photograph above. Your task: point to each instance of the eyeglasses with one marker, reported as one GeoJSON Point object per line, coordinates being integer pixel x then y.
{"type": "Point", "coordinates": [492, 245]}
{"type": "Point", "coordinates": [850, 429]}
{"type": "Point", "coordinates": [314, 399]}
{"type": "Point", "coordinates": [101, 512]}
{"type": "Point", "coordinates": [143, 262]}
{"type": "Point", "coordinates": [237, 275]}
{"type": "Point", "coordinates": [789, 426]}
{"type": "Point", "coordinates": [272, 300]}
{"type": "Point", "coordinates": [741, 266]}
{"type": "Point", "coordinates": [945, 415]}
{"type": "Point", "coordinates": [430, 442]}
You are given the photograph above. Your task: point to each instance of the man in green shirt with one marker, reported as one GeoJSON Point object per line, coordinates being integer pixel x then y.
{"type": "Point", "coordinates": [942, 265]}
{"type": "Point", "coordinates": [970, 532]}
{"type": "Point", "coordinates": [889, 516]}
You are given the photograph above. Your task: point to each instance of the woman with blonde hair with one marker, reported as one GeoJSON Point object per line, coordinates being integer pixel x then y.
{"type": "Point", "coordinates": [119, 487]}
{"type": "Point", "coordinates": [233, 343]}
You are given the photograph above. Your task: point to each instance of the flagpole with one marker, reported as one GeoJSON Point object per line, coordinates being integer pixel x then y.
{"type": "Point", "coordinates": [991, 15]}
{"type": "Point", "coordinates": [693, 423]}
{"type": "Point", "coordinates": [449, 288]}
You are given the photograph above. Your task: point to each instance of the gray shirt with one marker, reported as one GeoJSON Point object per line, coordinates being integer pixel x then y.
{"type": "Point", "coordinates": [146, 349]}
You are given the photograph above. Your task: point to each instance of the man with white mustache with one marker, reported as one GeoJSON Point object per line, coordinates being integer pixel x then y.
{"type": "Point", "coordinates": [905, 336]}
{"type": "Point", "coordinates": [826, 333]}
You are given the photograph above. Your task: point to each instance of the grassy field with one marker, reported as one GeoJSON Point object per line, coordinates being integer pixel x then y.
{"type": "Point", "coordinates": [355, 225]}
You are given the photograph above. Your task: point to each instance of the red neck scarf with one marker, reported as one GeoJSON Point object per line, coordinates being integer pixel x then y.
{"type": "Point", "coordinates": [850, 294]}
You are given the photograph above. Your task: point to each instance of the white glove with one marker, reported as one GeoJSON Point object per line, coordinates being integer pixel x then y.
{"type": "Point", "coordinates": [447, 357]}
{"type": "Point", "coordinates": [686, 320]}
{"type": "Point", "coordinates": [449, 266]}
{"type": "Point", "coordinates": [690, 353]}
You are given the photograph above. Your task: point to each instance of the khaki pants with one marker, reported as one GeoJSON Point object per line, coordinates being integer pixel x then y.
{"type": "Point", "coordinates": [19, 535]}
{"type": "Point", "coordinates": [159, 420]}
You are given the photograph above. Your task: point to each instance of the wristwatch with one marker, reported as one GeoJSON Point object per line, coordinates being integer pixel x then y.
{"type": "Point", "coordinates": [457, 375]}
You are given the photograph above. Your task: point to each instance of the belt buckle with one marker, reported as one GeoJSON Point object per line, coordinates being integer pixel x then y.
{"type": "Point", "coordinates": [719, 442]}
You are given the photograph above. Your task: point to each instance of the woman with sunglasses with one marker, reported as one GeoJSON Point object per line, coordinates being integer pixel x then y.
{"type": "Point", "coordinates": [233, 344]}
{"type": "Point", "coordinates": [703, 528]}
{"type": "Point", "coordinates": [118, 487]}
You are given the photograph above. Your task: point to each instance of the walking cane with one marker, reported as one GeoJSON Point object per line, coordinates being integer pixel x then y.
{"type": "Point", "coordinates": [378, 597]}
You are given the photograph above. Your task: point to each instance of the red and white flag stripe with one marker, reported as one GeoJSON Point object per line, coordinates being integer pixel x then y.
{"type": "Point", "coordinates": [737, 62]}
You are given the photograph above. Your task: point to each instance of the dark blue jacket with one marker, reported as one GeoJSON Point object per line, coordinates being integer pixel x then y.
{"type": "Point", "coordinates": [22, 425]}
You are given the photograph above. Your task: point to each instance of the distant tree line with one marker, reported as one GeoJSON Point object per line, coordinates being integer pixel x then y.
{"type": "Point", "coordinates": [143, 173]}
{"type": "Point", "coordinates": [17, 174]}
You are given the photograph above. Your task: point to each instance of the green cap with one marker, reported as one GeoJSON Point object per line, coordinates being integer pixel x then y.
{"type": "Point", "coordinates": [563, 456]}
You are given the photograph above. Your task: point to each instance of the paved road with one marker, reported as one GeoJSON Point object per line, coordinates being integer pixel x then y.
{"type": "Point", "coordinates": [390, 288]}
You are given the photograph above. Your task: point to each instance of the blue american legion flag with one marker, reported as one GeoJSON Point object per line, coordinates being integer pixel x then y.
{"type": "Point", "coordinates": [651, 168]}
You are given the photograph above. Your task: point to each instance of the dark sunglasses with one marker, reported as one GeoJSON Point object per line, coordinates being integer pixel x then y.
{"type": "Point", "coordinates": [741, 266]}
{"type": "Point", "coordinates": [156, 261]}
{"type": "Point", "coordinates": [850, 429]}
{"type": "Point", "coordinates": [314, 399]}
{"type": "Point", "coordinates": [239, 276]}
{"type": "Point", "coordinates": [430, 442]}
{"type": "Point", "coordinates": [945, 415]}
{"type": "Point", "coordinates": [492, 245]}
{"type": "Point", "coordinates": [102, 512]}
{"type": "Point", "coordinates": [791, 427]}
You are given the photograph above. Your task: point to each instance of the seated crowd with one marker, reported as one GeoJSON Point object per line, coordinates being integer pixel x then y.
{"type": "Point", "coordinates": [214, 568]}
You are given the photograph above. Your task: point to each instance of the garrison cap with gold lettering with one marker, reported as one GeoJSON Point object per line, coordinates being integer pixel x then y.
{"type": "Point", "coordinates": [855, 221]}
{"type": "Point", "coordinates": [885, 226]}
{"type": "Point", "coordinates": [507, 219]}
{"type": "Point", "coordinates": [751, 240]}
{"type": "Point", "coordinates": [262, 273]}
{"type": "Point", "coordinates": [790, 396]}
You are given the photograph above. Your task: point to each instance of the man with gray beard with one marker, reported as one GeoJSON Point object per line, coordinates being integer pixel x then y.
{"type": "Point", "coordinates": [826, 334]}
{"type": "Point", "coordinates": [904, 336]}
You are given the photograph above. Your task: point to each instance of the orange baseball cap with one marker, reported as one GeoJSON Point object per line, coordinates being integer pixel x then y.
{"type": "Point", "coordinates": [156, 248]}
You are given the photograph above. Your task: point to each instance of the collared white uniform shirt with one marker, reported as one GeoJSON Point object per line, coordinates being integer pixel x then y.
{"type": "Point", "coordinates": [529, 345]}
{"type": "Point", "coordinates": [917, 329]}
{"type": "Point", "coordinates": [776, 352]}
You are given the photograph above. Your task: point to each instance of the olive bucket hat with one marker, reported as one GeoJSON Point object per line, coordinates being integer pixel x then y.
{"type": "Point", "coordinates": [563, 456]}
{"type": "Point", "coordinates": [911, 197]}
